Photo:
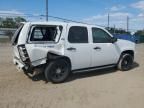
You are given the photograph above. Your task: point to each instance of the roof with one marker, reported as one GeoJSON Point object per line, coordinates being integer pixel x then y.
{"type": "Point", "coordinates": [63, 23]}
{"type": "Point", "coordinates": [50, 22]}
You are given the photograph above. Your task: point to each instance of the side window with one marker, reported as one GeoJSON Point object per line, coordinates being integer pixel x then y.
{"type": "Point", "coordinates": [100, 36]}
{"type": "Point", "coordinates": [45, 33]}
{"type": "Point", "coordinates": [78, 35]}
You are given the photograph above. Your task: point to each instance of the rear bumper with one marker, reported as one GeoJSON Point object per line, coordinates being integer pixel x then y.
{"type": "Point", "coordinates": [21, 66]}
{"type": "Point", "coordinates": [18, 63]}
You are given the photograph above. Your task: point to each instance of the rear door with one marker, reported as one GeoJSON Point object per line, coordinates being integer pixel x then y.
{"type": "Point", "coordinates": [104, 52]}
{"type": "Point", "coordinates": [78, 47]}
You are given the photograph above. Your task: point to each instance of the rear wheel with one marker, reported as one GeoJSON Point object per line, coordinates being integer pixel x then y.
{"type": "Point", "coordinates": [125, 62]}
{"type": "Point", "coordinates": [57, 71]}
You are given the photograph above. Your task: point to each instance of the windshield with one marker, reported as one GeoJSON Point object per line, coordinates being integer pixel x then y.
{"type": "Point", "coordinates": [16, 35]}
{"type": "Point", "coordinates": [46, 33]}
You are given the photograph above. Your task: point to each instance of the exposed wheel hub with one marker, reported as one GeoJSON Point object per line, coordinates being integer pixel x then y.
{"type": "Point", "coordinates": [126, 62]}
{"type": "Point", "coordinates": [58, 71]}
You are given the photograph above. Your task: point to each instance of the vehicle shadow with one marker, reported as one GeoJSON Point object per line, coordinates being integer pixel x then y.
{"type": "Point", "coordinates": [96, 73]}
{"type": "Point", "coordinates": [81, 75]}
{"type": "Point", "coordinates": [75, 76]}
{"type": "Point", "coordinates": [135, 65]}
{"type": "Point", "coordinates": [36, 77]}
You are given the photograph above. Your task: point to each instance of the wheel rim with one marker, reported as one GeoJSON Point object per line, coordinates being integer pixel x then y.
{"type": "Point", "coordinates": [59, 71]}
{"type": "Point", "coordinates": [127, 62]}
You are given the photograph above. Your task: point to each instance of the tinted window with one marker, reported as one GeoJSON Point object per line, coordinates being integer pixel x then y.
{"type": "Point", "coordinates": [44, 33]}
{"type": "Point", "coordinates": [100, 36]}
{"type": "Point", "coordinates": [78, 35]}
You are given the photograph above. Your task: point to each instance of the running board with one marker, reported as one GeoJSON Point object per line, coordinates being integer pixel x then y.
{"type": "Point", "coordinates": [94, 68]}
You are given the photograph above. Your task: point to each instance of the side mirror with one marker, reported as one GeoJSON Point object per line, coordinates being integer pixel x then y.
{"type": "Point", "coordinates": [114, 39]}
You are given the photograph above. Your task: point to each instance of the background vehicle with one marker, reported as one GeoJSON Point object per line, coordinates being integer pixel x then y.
{"type": "Point", "coordinates": [61, 48]}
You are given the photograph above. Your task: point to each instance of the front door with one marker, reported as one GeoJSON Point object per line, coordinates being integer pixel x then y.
{"type": "Point", "coordinates": [104, 52]}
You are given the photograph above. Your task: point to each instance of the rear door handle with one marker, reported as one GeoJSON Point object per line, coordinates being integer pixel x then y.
{"type": "Point", "coordinates": [97, 48]}
{"type": "Point", "coordinates": [71, 49]}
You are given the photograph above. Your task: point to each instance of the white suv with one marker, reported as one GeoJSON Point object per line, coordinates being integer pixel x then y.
{"type": "Point", "coordinates": [61, 48]}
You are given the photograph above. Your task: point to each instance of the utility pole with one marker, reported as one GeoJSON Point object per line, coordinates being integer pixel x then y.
{"type": "Point", "coordinates": [127, 23]}
{"type": "Point", "coordinates": [46, 10]}
{"type": "Point", "coordinates": [108, 20]}
{"type": "Point", "coordinates": [114, 29]}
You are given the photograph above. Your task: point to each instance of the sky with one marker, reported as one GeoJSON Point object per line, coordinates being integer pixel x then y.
{"type": "Point", "coordinates": [90, 11]}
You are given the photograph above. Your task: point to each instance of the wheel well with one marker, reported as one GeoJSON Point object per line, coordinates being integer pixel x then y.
{"type": "Point", "coordinates": [51, 57]}
{"type": "Point", "coordinates": [131, 52]}
{"type": "Point", "coordinates": [67, 59]}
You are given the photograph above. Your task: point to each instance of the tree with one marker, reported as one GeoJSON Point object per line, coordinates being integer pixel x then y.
{"type": "Point", "coordinates": [139, 33]}
{"type": "Point", "coordinates": [1, 19]}
{"type": "Point", "coordinates": [9, 23]}
{"type": "Point", "coordinates": [18, 20]}
{"type": "Point", "coordinates": [117, 31]}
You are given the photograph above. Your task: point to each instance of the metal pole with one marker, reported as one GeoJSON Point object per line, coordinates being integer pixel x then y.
{"type": "Point", "coordinates": [114, 29]}
{"type": "Point", "coordinates": [46, 10]}
{"type": "Point", "coordinates": [127, 23]}
{"type": "Point", "coordinates": [108, 20]}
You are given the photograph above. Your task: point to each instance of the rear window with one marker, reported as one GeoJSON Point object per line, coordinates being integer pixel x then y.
{"type": "Point", "coordinates": [16, 35]}
{"type": "Point", "coordinates": [46, 33]}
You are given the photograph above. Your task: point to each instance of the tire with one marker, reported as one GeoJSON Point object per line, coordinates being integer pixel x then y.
{"type": "Point", "coordinates": [57, 71]}
{"type": "Point", "coordinates": [126, 62]}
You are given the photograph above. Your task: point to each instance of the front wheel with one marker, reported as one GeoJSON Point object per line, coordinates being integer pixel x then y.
{"type": "Point", "coordinates": [57, 71]}
{"type": "Point", "coordinates": [125, 63]}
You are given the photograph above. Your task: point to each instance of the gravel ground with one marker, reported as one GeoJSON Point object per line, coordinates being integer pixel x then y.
{"type": "Point", "coordinates": [99, 89]}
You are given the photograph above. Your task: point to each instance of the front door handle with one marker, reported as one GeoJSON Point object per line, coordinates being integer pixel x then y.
{"type": "Point", "coordinates": [71, 49]}
{"type": "Point", "coordinates": [97, 48]}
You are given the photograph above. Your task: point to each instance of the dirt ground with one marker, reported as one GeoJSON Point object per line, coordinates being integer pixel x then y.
{"type": "Point", "coordinates": [99, 89]}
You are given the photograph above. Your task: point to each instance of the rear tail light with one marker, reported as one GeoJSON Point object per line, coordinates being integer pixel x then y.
{"type": "Point", "coordinates": [23, 53]}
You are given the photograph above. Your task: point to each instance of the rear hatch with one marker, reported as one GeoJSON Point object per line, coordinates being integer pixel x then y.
{"type": "Point", "coordinates": [15, 42]}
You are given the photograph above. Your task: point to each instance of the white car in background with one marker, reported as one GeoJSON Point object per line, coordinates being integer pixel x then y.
{"type": "Point", "coordinates": [61, 48]}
